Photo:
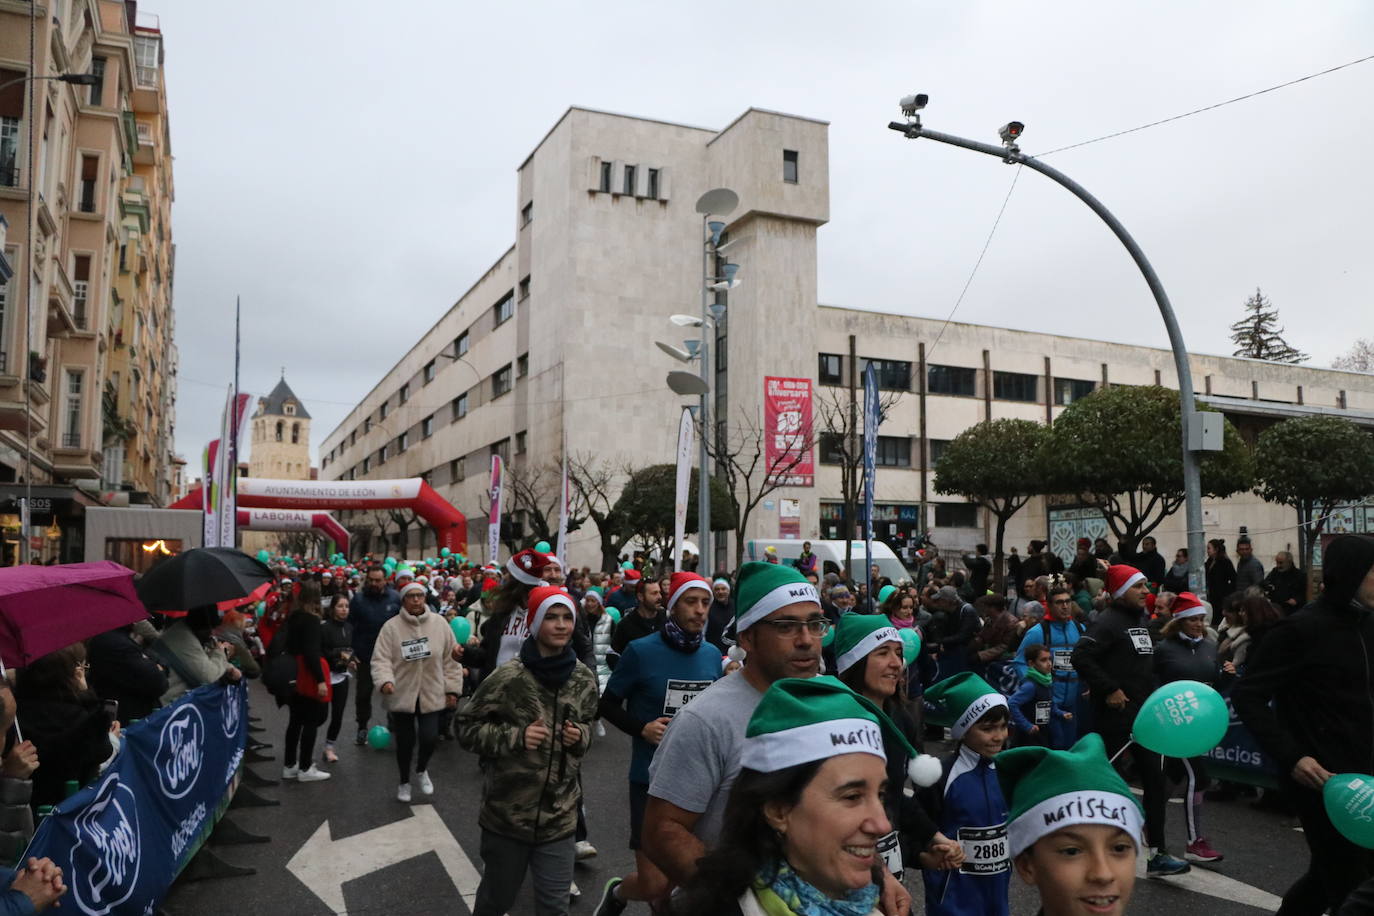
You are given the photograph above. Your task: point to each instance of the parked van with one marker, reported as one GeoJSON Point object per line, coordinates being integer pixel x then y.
{"type": "Point", "coordinates": [830, 557]}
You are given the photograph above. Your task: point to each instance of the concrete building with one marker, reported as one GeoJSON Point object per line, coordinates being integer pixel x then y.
{"type": "Point", "coordinates": [279, 448]}
{"type": "Point", "coordinates": [87, 360]}
{"type": "Point", "coordinates": [556, 339]}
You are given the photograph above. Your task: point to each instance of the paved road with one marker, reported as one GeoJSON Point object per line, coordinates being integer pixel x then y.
{"type": "Point", "coordinates": [1263, 851]}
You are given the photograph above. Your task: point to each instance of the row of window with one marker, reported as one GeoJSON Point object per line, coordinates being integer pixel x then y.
{"type": "Point", "coordinates": [895, 375]}
{"type": "Point", "coordinates": [893, 451]}
{"type": "Point", "coordinates": [629, 184]}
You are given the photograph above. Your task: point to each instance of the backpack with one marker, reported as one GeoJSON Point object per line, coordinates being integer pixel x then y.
{"type": "Point", "coordinates": [279, 669]}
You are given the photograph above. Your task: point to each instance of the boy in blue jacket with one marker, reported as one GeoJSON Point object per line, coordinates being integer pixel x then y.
{"type": "Point", "coordinates": [1033, 705]}
{"type": "Point", "coordinates": [967, 804]}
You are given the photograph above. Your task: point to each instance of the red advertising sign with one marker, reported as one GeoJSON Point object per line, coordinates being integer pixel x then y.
{"type": "Point", "coordinates": [787, 431]}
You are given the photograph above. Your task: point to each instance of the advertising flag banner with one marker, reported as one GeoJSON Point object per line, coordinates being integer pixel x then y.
{"type": "Point", "coordinates": [787, 431]}
{"type": "Point", "coordinates": [227, 467]}
{"type": "Point", "coordinates": [686, 444]}
{"type": "Point", "coordinates": [208, 496]}
{"type": "Point", "coordinates": [562, 549]}
{"type": "Point", "coordinates": [497, 493]}
{"type": "Point", "coordinates": [872, 417]}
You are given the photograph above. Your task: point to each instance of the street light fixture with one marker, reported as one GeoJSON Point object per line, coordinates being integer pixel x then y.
{"type": "Point", "coordinates": [681, 356]}
{"type": "Point", "coordinates": [685, 321]}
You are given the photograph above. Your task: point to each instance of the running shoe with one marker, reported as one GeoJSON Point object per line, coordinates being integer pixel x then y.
{"type": "Point", "coordinates": [1162, 864]}
{"type": "Point", "coordinates": [329, 755]}
{"type": "Point", "coordinates": [361, 738]}
{"type": "Point", "coordinates": [423, 781]}
{"type": "Point", "coordinates": [1201, 851]}
{"type": "Point", "coordinates": [574, 893]}
{"type": "Point", "coordinates": [403, 793]}
{"type": "Point", "coordinates": [314, 774]}
{"type": "Point", "coordinates": [609, 905]}
{"type": "Point", "coordinates": [585, 850]}
{"type": "Point", "coordinates": [290, 772]}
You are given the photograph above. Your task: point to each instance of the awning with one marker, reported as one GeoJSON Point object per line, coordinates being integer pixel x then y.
{"type": "Point", "coordinates": [1278, 410]}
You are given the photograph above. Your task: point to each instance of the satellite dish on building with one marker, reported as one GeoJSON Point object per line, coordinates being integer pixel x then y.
{"type": "Point", "coordinates": [685, 383]}
{"type": "Point", "coordinates": [717, 202]}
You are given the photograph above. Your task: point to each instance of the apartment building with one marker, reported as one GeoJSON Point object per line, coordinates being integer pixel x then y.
{"type": "Point", "coordinates": [87, 358]}
{"type": "Point", "coordinates": [556, 340]}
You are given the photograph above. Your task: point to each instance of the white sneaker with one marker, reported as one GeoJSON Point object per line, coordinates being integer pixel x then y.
{"type": "Point", "coordinates": [424, 782]}
{"type": "Point", "coordinates": [314, 774]}
{"type": "Point", "coordinates": [584, 850]}
{"type": "Point", "coordinates": [574, 892]}
{"type": "Point", "coordinates": [403, 793]}
{"type": "Point", "coordinates": [600, 729]}
{"type": "Point", "coordinates": [290, 772]}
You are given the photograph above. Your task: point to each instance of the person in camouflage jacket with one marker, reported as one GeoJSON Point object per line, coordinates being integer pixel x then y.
{"type": "Point", "coordinates": [531, 724]}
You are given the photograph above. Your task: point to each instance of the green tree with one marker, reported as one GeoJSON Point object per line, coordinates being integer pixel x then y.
{"type": "Point", "coordinates": [648, 500]}
{"type": "Point", "coordinates": [1119, 450]}
{"type": "Point", "coordinates": [1259, 336]}
{"type": "Point", "coordinates": [996, 464]}
{"type": "Point", "coordinates": [1313, 464]}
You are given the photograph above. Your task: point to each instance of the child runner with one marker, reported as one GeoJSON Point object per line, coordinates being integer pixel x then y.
{"type": "Point", "coordinates": [1033, 706]}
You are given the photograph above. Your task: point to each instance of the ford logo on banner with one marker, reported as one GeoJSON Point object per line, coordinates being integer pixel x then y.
{"type": "Point", "coordinates": [179, 751]}
{"type": "Point", "coordinates": [104, 860]}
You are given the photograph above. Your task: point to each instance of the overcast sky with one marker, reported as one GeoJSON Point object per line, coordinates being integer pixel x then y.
{"type": "Point", "coordinates": [348, 168]}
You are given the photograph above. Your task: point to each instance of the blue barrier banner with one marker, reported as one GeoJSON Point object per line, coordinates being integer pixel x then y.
{"type": "Point", "coordinates": [1238, 757]}
{"type": "Point", "coordinates": [124, 838]}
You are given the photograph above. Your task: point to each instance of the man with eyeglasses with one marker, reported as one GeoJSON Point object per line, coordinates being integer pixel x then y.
{"type": "Point", "coordinates": [1060, 632]}
{"type": "Point", "coordinates": [780, 626]}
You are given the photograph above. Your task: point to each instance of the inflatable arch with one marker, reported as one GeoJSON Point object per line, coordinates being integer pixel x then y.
{"type": "Point", "coordinates": [295, 520]}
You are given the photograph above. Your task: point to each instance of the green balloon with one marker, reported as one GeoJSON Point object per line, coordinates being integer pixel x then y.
{"type": "Point", "coordinates": [445, 552]}
{"type": "Point", "coordinates": [264, 556]}
{"type": "Point", "coordinates": [462, 629]}
{"type": "Point", "coordinates": [1349, 800]}
{"type": "Point", "coordinates": [543, 547]}
{"type": "Point", "coordinates": [911, 644]}
{"type": "Point", "coordinates": [885, 592]}
{"type": "Point", "coordinates": [1182, 719]}
{"type": "Point", "coordinates": [615, 613]}
{"type": "Point", "coordinates": [829, 636]}
{"type": "Point", "coordinates": [378, 737]}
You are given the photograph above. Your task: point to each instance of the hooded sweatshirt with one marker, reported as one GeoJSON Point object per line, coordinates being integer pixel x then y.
{"type": "Point", "coordinates": [1317, 667]}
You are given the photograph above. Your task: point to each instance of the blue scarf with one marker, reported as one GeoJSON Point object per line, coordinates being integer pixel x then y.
{"type": "Point", "coordinates": [804, 900]}
{"type": "Point", "coordinates": [678, 638]}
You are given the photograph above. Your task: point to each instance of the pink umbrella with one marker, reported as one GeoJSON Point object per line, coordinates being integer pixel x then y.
{"type": "Point", "coordinates": [44, 608]}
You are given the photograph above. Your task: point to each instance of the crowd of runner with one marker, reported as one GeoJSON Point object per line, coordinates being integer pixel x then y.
{"type": "Point", "coordinates": [778, 717]}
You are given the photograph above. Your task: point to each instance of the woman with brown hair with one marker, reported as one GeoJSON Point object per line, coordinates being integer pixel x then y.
{"type": "Point", "coordinates": [73, 732]}
{"type": "Point", "coordinates": [309, 703]}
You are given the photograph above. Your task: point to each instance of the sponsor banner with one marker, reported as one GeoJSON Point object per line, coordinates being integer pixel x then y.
{"type": "Point", "coordinates": [327, 494]}
{"type": "Point", "coordinates": [497, 494]}
{"type": "Point", "coordinates": [122, 839]}
{"type": "Point", "coordinates": [872, 417]}
{"type": "Point", "coordinates": [686, 444]}
{"type": "Point", "coordinates": [787, 431]}
{"type": "Point", "coordinates": [1239, 754]}
{"type": "Point", "coordinates": [278, 519]}
{"type": "Point", "coordinates": [227, 467]}
{"type": "Point", "coordinates": [208, 498]}
{"type": "Point", "coordinates": [562, 549]}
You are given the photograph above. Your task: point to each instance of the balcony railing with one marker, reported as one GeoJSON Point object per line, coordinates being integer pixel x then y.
{"type": "Point", "coordinates": [9, 175]}
{"type": "Point", "coordinates": [71, 440]}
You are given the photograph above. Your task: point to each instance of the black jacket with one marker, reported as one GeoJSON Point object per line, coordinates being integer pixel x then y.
{"type": "Point", "coordinates": [632, 626]}
{"type": "Point", "coordinates": [121, 670]}
{"type": "Point", "coordinates": [719, 620]}
{"type": "Point", "coordinates": [1221, 581]}
{"type": "Point", "coordinates": [1151, 564]}
{"type": "Point", "coordinates": [72, 735]}
{"type": "Point", "coordinates": [335, 636]}
{"type": "Point", "coordinates": [1284, 585]}
{"type": "Point", "coordinates": [1176, 659]}
{"type": "Point", "coordinates": [1117, 653]}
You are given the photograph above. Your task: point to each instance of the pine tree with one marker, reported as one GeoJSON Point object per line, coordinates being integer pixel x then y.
{"type": "Point", "coordinates": [1259, 336]}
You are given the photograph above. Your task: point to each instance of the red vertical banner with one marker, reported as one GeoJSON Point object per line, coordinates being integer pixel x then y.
{"type": "Point", "coordinates": [787, 431]}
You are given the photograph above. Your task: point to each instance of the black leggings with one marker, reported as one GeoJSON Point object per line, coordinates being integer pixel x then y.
{"type": "Point", "coordinates": [405, 726]}
{"type": "Point", "coordinates": [307, 716]}
{"type": "Point", "coordinates": [1336, 866]}
{"type": "Point", "coordinates": [336, 710]}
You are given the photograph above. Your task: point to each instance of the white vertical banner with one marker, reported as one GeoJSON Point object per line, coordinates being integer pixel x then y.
{"type": "Point", "coordinates": [686, 445]}
{"type": "Point", "coordinates": [497, 493]}
{"type": "Point", "coordinates": [209, 499]}
{"type": "Point", "coordinates": [226, 474]}
{"type": "Point", "coordinates": [562, 549]}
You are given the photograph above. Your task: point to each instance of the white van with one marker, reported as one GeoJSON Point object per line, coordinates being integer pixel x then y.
{"type": "Point", "coordinates": [830, 557]}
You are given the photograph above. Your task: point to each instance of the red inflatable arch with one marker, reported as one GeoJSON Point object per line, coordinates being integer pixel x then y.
{"type": "Point", "coordinates": [295, 520]}
{"type": "Point", "coordinates": [450, 526]}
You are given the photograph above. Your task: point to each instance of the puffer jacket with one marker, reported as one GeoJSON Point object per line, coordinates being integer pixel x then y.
{"type": "Point", "coordinates": [415, 654]}
{"type": "Point", "coordinates": [602, 627]}
{"type": "Point", "coordinates": [529, 796]}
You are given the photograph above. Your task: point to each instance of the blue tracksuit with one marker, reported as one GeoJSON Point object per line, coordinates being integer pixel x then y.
{"type": "Point", "coordinates": [1063, 636]}
{"type": "Point", "coordinates": [968, 807]}
{"type": "Point", "coordinates": [1033, 704]}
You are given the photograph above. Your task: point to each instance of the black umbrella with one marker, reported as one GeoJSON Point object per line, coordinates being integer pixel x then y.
{"type": "Point", "coordinates": [203, 576]}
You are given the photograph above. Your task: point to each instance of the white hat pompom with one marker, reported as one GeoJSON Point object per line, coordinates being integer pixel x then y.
{"type": "Point", "coordinates": [925, 770]}
{"type": "Point", "coordinates": [736, 654]}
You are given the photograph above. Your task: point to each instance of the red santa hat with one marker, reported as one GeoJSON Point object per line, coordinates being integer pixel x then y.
{"type": "Point", "coordinates": [1188, 605]}
{"type": "Point", "coordinates": [543, 598]}
{"type": "Point", "coordinates": [630, 577]}
{"type": "Point", "coordinates": [527, 566]}
{"type": "Point", "coordinates": [683, 582]}
{"type": "Point", "coordinates": [1121, 577]}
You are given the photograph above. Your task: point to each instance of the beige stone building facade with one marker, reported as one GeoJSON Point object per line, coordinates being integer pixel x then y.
{"type": "Point", "coordinates": [87, 353]}
{"type": "Point", "coordinates": [279, 448]}
{"type": "Point", "coordinates": [557, 338]}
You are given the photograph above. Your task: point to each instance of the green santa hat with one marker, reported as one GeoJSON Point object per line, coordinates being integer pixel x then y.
{"type": "Point", "coordinates": [959, 701]}
{"type": "Point", "coordinates": [859, 634]}
{"type": "Point", "coordinates": [766, 587]}
{"type": "Point", "coordinates": [1048, 790]}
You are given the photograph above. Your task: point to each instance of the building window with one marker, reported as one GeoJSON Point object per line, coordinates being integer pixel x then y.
{"type": "Point", "coordinates": [289, 409]}
{"type": "Point", "coordinates": [81, 285]}
{"type": "Point", "coordinates": [405, 393]}
{"type": "Point", "coordinates": [893, 374]}
{"type": "Point", "coordinates": [427, 427]}
{"type": "Point", "coordinates": [937, 450]}
{"type": "Point", "coordinates": [460, 407]}
{"type": "Point", "coordinates": [894, 452]}
{"type": "Point", "coordinates": [520, 443]}
{"type": "Point", "coordinates": [951, 380]}
{"type": "Point", "coordinates": [789, 166]}
{"type": "Point", "coordinates": [9, 134]}
{"type": "Point", "coordinates": [501, 381]}
{"type": "Point", "coordinates": [145, 57]}
{"type": "Point", "coordinates": [652, 189]}
{"type": "Point", "coordinates": [457, 470]}
{"type": "Point", "coordinates": [829, 372]}
{"type": "Point", "coordinates": [606, 176]}
{"type": "Point", "coordinates": [295, 434]}
{"type": "Point", "coordinates": [90, 177]}
{"type": "Point", "coordinates": [353, 438]}
{"type": "Point", "coordinates": [460, 344]}
{"type": "Point", "coordinates": [832, 448]}
{"type": "Point", "coordinates": [1013, 386]}
{"type": "Point", "coordinates": [629, 188]}
{"type": "Point", "coordinates": [501, 448]}
{"type": "Point", "coordinates": [503, 310]}
{"type": "Point", "coordinates": [527, 213]}
{"type": "Point", "coordinates": [381, 455]}
{"type": "Point", "coordinates": [402, 442]}
{"type": "Point", "coordinates": [1068, 390]}
{"type": "Point", "coordinates": [524, 288]}
{"type": "Point", "coordinates": [428, 373]}
{"type": "Point", "coordinates": [71, 429]}
{"type": "Point", "coordinates": [4, 307]}
{"type": "Point", "coordinates": [98, 87]}
{"type": "Point", "coordinates": [522, 365]}
{"type": "Point", "coordinates": [384, 410]}
{"type": "Point", "coordinates": [956, 515]}
{"type": "Point", "coordinates": [367, 425]}
{"type": "Point", "coordinates": [281, 429]}
{"type": "Point", "coordinates": [367, 464]}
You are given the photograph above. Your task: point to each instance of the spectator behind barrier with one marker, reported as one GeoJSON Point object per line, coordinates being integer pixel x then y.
{"type": "Point", "coordinates": [16, 787]}
{"type": "Point", "coordinates": [122, 671]}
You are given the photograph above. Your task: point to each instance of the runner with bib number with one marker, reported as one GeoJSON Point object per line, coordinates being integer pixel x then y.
{"type": "Point", "coordinates": [1060, 632]}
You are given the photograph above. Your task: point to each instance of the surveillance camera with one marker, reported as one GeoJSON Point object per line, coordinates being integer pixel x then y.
{"type": "Point", "coordinates": [1010, 133]}
{"type": "Point", "coordinates": [914, 103]}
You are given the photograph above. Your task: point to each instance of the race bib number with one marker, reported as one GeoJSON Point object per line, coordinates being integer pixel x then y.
{"type": "Point", "coordinates": [890, 850]}
{"type": "Point", "coordinates": [1042, 712]}
{"type": "Point", "coordinates": [1140, 639]}
{"type": "Point", "coordinates": [1063, 660]}
{"type": "Point", "coordinates": [413, 650]}
{"type": "Point", "coordinates": [985, 850]}
{"type": "Point", "coordinates": [679, 692]}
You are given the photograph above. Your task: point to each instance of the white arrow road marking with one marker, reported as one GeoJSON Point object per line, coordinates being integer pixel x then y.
{"type": "Point", "coordinates": [1215, 884]}
{"type": "Point", "coordinates": [324, 864]}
